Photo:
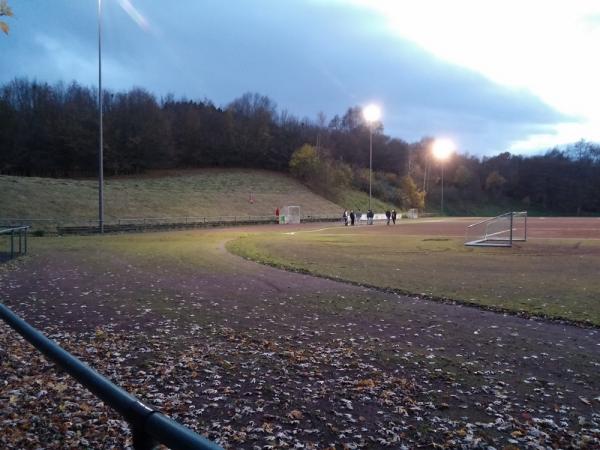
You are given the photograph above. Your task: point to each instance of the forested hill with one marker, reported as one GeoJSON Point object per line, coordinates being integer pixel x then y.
{"type": "Point", "coordinates": [52, 130]}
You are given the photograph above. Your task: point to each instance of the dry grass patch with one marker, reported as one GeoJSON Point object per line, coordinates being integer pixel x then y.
{"type": "Point", "coordinates": [556, 278]}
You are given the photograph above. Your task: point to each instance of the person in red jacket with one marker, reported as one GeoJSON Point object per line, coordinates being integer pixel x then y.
{"type": "Point", "coordinates": [277, 215]}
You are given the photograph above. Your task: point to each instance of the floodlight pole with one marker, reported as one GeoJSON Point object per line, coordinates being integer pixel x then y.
{"type": "Point", "coordinates": [442, 206]}
{"type": "Point", "coordinates": [101, 145]}
{"type": "Point", "coordinates": [370, 160]}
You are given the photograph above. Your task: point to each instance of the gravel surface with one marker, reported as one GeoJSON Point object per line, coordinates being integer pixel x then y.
{"type": "Point", "coordinates": [255, 357]}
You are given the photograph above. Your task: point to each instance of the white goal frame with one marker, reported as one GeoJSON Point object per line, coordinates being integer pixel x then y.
{"type": "Point", "coordinates": [499, 231]}
{"type": "Point", "coordinates": [290, 215]}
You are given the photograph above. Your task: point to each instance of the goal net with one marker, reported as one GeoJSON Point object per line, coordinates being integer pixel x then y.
{"type": "Point", "coordinates": [499, 231]}
{"type": "Point", "coordinates": [413, 213]}
{"type": "Point", "coordinates": [291, 214]}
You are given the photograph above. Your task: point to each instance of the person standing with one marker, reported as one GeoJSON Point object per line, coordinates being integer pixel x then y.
{"type": "Point", "coordinates": [394, 216]}
{"type": "Point", "coordinates": [388, 215]}
{"type": "Point", "coordinates": [345, 217]}
{"type": "Point", "coordinates": [277, 215]}
{"type": "Point", "coordinates": [370, 217]}
{"type": "Point", "coordinates": [352, 217]}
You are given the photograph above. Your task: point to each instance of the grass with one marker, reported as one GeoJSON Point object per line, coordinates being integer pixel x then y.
{"type": "Point", "coordinates": [359, 201]}
{"type": "Point", "coordinates": [150, 260]}
{"type": "Point", "coordinates": [194, 193]}
{"type": "Point", "coordinates": [554, 278]}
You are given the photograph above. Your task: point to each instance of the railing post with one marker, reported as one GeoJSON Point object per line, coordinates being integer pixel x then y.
{"type": "Point", "coordinates": [512, 214]}
{"type": "Point", "coordinates": [26, 232]}
{"type": "Point", "coordinates": [12, 244]}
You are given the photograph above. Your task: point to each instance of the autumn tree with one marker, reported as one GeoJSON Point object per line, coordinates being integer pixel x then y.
{"type": "Point", "coordinates": [410, 196]}
{"type": "Point", "coordinates": [5, 11]}
{"type": "Point", "coordinates": [462, 177]}
{"type": "Point", "coordinates": [494, 183]}
{"type": "Point", "coordinates": [305, 164]}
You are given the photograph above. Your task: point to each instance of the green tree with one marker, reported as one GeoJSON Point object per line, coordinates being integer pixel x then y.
{"type": "Point", "coordinates": [462, 177]}
{"type": "Point", "coordinates": [494, 183]}
{"type": "Point", "coordinates": [7, 12]}
{"type": "Point", "coordinates": [409, 195]}
{"type": "Point", "coordinates": [305, 163]}
{"type": "Point", "coordinates": [339, 176]}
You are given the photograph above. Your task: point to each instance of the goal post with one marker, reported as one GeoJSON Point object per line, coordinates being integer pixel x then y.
{"type": "Point", "coordinates": [290, 214]}
{"type": "Point", "coordinates": [499, 231]}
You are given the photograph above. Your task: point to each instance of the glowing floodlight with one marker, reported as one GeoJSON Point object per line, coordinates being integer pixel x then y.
{"type": "Point", "coordinates": [372, 113]}
{"type": "Point", "coordinates": [443, 148]}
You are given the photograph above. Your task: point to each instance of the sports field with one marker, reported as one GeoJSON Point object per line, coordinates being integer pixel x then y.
{"type": "Point", "coordinates": [555, 274]}
{"type": "Point", "coordinates": [255, 356]}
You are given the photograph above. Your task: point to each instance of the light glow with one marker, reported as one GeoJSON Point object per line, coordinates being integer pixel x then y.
{"type": "Point", "coordinates": [443, 148]}
{"type": "Point", "coordinates": [372, 113]}
{"type": "Point", "coordinates": [134, 13]}
{"type": "Point", "coordinates": [547, 48]}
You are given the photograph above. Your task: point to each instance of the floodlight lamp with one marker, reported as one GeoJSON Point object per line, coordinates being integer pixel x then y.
{"type": "Point", "coordinates": [443, 148]}
{"type": "Point", "coordinates": [372, 113]}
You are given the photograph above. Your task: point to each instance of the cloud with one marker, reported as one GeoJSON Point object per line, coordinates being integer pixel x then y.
{"type": "Point", "coordinates": [307, 56]}
{"type": "Point", "coordinates": [546, 48]}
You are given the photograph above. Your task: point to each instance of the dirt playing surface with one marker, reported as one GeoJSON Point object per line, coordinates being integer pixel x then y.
{"type": "Point", "coordinates": [537, 227]}
{"type": "Point", "coordinates": [273, 358]}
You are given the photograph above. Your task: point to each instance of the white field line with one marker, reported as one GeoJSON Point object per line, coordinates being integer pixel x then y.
{"type": "Point", "coordinates": [291, 233]}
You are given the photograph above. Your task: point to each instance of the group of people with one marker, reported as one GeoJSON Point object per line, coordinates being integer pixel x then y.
{"type": "Point", "coordinates": [350, 218]}
{"type": "Point", "coordinates": [391, 215]}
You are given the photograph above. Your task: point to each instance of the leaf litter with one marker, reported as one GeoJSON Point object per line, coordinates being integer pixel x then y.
{"type": "Point", "coordinates": [245, 391]}
{"type": "Point", "coordinates": [260, 370]}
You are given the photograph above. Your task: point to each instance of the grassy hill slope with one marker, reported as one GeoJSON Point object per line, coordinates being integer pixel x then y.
{"type": "Point", "coordinates": [189, 193]}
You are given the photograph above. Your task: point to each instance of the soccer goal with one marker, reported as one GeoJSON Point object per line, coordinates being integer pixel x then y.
{"type": "Point", "coordinates": [290, 214]}
{"type": "Point", "coordinates": [413, 213]}
{"type": "Point", "coordinates": [499, 231]}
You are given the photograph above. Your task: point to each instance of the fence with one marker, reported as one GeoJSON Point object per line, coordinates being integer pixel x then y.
{"type": "Point", "coordinates": [87, 226]}
{"type": "Point", "coordinates": [20, 235]}
{"type": "Point", "coordinates": [149, 426]}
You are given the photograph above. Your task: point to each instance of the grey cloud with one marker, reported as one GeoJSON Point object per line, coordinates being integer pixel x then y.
{"type": "Point", "coordinates": [307, 56]}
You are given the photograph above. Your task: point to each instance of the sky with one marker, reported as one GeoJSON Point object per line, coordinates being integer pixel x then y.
{"type": "Point", "coordinates": [493, 76]}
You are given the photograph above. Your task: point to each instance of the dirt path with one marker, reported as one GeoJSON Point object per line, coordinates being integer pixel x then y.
{"type": "Point", "coordinates": [269, 357]}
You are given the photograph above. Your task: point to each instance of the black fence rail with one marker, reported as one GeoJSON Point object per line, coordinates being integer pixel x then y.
{"type": "Point", "coordinates": [123, 225]}
{"type": "Point", "coordinates": [17, 242]}
{"type": "Point", "coordinates": [149, 426]}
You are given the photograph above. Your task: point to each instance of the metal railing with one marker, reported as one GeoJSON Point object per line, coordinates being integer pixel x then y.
{"type": "Point", "coordinates": [19, 234]}
{"type": "Point", "coordinates": [149, 426]}
{"type": "Point", "coordinates": [53, 226]}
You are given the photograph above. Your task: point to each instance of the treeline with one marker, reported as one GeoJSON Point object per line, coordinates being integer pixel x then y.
{"type": "Point", "coordinates": [52, 130]}
{"type": "Point", "coordinates": [328, 176]}
{"type": "Point", "coordinates": [563, 180]}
